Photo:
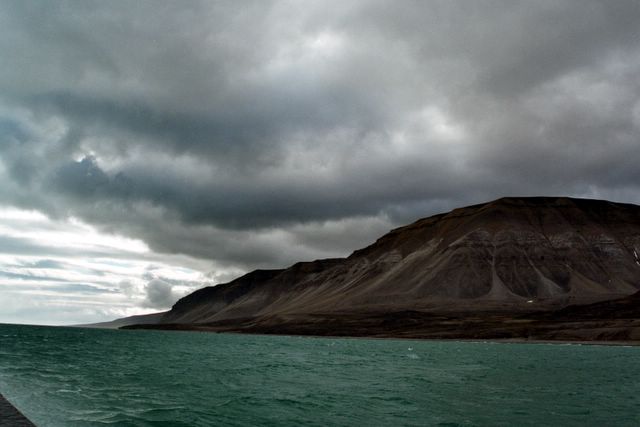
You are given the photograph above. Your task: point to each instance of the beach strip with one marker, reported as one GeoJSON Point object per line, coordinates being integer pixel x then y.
{"type": "Point", "coordinates": [10, 416]}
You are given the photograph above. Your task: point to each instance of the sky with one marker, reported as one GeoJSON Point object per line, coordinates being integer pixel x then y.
{"type": "Point", "coordinates": [151, 148]}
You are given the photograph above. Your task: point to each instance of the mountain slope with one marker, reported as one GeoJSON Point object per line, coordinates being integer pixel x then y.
{"type": "Point", "coordinates": [147, 319]}
{"type": "Point", "coordinates": [512, 254]}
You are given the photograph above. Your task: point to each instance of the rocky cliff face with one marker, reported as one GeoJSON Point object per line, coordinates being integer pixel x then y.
{"type": "Point", "coordinates": [510, 254]}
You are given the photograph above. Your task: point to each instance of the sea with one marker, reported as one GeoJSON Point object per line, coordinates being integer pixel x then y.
{"type": "Point", "coordinates": [66, 377]}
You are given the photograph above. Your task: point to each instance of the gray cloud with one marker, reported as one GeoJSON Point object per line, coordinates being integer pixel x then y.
{"type": "Point", "coordinates": [159, 294]}
{"type": "Point", "coordinates": [260, 133]}
{"type": "Point", "coordinates": [127, 288]}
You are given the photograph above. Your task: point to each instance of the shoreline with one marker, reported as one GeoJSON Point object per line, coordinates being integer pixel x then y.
{"type": "Point", "coordinates": [513, 340]}
{"type": "Point", "coordinates": [564, 327]}
{"type": "Point", "coordinates": [11, 416]}
{"type": "Point", "coordinates": [447, 340]}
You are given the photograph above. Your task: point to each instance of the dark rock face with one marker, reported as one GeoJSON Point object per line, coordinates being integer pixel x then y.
{"type": "Point", "coordinates": [509, 255]}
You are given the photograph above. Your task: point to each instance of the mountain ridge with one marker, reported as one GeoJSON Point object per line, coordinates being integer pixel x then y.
{"type": "Point", "coordinates": [500, 259]}
{"type": "Point", "coordinates": [509, 251]}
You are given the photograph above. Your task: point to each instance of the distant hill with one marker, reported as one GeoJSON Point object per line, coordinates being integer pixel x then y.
{"type": "Point", "coordinates": [512, 255]}
{"type": "Point", "coordinates": [148, 319]}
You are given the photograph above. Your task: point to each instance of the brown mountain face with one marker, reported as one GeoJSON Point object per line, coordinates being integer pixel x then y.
{"type": "Point", "coordinates": [510, 255]}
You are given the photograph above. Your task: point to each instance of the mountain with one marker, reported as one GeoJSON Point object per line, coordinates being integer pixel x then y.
{"type": "Point", "coordinates": [508, 256]}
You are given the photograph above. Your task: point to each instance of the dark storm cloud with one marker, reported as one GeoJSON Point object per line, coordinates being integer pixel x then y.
{"type": "Point", "coordinates": [258, 133]}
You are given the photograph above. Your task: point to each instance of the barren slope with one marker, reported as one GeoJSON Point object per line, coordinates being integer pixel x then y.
{"type": "Point", "coordinates": [512, 254]}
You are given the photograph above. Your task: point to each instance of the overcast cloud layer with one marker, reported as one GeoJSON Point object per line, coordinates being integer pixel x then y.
{"type": "Point", "coordinates": [253, 134]}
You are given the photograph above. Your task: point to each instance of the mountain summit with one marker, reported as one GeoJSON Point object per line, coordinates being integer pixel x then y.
{"type": "Point", "coordinates": [511, 255]}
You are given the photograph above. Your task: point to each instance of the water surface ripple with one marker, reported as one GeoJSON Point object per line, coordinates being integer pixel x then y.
{"type": "Point", "coordinates": [84, 377]}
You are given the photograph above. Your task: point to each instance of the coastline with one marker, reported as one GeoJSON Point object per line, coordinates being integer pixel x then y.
{"type": "Point", "coordinates": [465, 340]}
{"type": "Point", "coordinates": [10, 416]}
{"type": "Point", "coordinates": [512, 340]}
{"type": "Point", "coordinates": [591, 324]}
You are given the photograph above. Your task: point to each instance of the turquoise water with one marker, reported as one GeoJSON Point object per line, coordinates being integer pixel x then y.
{"type": "Point", "coordinates": [83, 377]}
